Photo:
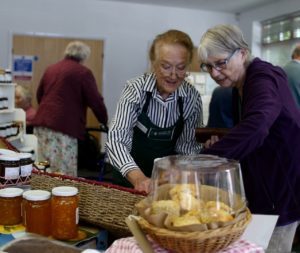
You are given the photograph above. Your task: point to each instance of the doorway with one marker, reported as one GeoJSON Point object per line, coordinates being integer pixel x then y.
{"type": "Point", "coordinates": [48, 50]}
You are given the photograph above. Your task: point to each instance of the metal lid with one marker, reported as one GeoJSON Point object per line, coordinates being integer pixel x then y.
{"type": "Point", "coordinates": [10, 192]}
{"type": "Point", "coordinates": [36, 195]}
{"type": "Point", "coordinates": [26, 149]}
{"type": "Point", "coordinates": [24, 155]}
{"type": "Point", "coordinates": [11, 157]}
{"type": "Point", "coordinates": [64, 191]}
{"type": "Point", "coordinates": [4, 151]}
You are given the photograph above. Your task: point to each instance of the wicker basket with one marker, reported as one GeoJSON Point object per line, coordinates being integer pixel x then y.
{"type": "Point", "coordinates": [208, 241]}
{"type": "Point", "coordinates": [102, 204]}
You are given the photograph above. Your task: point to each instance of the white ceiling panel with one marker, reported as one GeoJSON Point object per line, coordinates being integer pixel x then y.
{"type": "Point", "coordinates": [230, 6]}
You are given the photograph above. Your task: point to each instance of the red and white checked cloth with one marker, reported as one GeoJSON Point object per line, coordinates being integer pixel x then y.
{"type": "Point", "coordinates": [130, 245]}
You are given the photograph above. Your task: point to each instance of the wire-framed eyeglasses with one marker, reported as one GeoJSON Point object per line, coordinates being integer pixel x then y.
{"type": "Point", "coordinates": [222, 64]}
{"type": "Point", "coordinates": [167, 69]}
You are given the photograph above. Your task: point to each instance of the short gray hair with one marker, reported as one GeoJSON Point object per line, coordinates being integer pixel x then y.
{"type": "Point", "coordinates": [24, 92]}
{"type": "Point", "coordinates": [221, 39]}
{"type": "Point", "coordinates": [77, 50]}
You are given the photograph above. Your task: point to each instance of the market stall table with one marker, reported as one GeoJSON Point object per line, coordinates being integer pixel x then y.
{"type": "Point", "coordinates": [130, 245]}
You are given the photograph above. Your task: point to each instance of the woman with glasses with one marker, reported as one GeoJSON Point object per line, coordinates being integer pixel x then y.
{"type": "Point", "coordinates": [266, 139]}
{"type": "Point", "coordinates": [157, 113]}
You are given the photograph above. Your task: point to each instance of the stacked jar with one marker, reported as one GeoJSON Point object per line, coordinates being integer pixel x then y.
{"type": "Point", "coordinates": [9, 168]}
{"type": "Point", "coordinates": [42, 214]}
{"type": "Point", "coordinates": [64, 212]}
{"type": "Point", "coordinates": [37, 212]}
{"type": "Point", "coordinates": [3, 103]}
{"type": "Point", "coordinates": [10, 206]}
{"type": "Point", "coordinates": [28, 149]}
{"type": "Point", "coordinates": [25, 165]}
{"type": "Point", "coordinates": [5, 76]}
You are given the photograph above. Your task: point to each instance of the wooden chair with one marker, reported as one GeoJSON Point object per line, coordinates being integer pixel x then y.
{"type": "Point", "coordinates": [203, 134]}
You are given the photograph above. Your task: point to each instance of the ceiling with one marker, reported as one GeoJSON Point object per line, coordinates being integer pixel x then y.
{"type": "Point", "coordinates": [230, 6]}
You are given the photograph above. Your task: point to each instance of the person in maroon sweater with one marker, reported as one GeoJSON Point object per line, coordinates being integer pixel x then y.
{"type": "Point", "coordinates": [65, 91]}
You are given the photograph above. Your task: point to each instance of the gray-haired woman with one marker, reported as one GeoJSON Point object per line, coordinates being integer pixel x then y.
{"type": "Point", "coordinates": [65, 91]}
{"type": "Point", "coordinates": [266, 139]}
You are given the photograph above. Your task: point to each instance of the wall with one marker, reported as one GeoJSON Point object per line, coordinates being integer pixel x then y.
{"type": "Point", "coordinates": [127, 30]}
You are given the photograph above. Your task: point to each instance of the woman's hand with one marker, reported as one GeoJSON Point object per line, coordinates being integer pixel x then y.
{"type": "Point", "coordinates": [213, 139]}
{"type": "Point", "coordinates": [139, 181]}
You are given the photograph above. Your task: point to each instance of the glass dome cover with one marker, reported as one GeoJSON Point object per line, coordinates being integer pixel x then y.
{"type": "Point", "coordinates": [195, 181]}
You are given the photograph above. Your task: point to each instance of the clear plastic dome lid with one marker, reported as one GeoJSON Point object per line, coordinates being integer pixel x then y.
{"type": "Point", "coordinates": [198, 182]}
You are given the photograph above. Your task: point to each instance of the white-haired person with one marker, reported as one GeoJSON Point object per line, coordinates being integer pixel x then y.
{"type": "Point", "coordinates": [292, 69]}
{"type": "Point", "coordinates": [266, 138]}
{"type": "Point", "coordinates": [66, 90]}
{"type": "Point", "coordinates": [23, 100]}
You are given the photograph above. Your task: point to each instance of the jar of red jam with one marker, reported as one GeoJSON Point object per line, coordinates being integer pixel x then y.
{"type": "Point", "coordinates": [10, 206]}
{"type": "Point", "coordinates": [37, 212]}
{"type": "Point", "coordinates": [64, 212]}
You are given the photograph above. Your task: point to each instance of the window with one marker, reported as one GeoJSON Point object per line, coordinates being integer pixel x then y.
{"type": "Point", "coordinates": [278, 38]}
{"type": "Point", "coordinates": [281, 29]}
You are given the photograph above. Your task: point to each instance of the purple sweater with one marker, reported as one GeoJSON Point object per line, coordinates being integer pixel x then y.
{"type": "Point", "coordinates": [267, 143]}
{"type": "Point", "coordinates": [65, 91]}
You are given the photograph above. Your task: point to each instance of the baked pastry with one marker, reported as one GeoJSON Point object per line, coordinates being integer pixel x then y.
{"type": "Point", "coordinates": [183, 188]}
{"type": "Point", "coordinates": [185, 195]}
{"type": "Point", "coordinates": [165, 206]}
{"type": "Point", "coordinates": [218, 205]}
{"type": "Point", "coordinates": [185, 221]}
{"type": "Point", "coordinates": [222, 215]}
{"type": "Point", "coordinates": [187, 201]}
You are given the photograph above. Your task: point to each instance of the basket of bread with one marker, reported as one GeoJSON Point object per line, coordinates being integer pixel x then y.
{"type": "Point", "coordinates": [197, 204]}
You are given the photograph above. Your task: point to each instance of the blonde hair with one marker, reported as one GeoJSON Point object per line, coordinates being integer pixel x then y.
{"type": "Point", "coordinates": [172, 37]}
{"type": "Point", "coordinates": [221, 39]}
{"type": "Point", "coordinates": [78, 51]}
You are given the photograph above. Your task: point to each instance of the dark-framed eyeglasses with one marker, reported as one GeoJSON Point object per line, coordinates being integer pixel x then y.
{"type": "Point", "coordinates": [222, 64]}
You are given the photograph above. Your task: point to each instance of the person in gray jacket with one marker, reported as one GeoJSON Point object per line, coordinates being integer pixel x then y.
{"type": "Point", "coordinates": [292, 70]}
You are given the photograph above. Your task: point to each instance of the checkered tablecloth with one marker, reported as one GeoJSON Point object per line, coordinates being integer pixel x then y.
{"type": "Point", "coordinates": [129, 245]}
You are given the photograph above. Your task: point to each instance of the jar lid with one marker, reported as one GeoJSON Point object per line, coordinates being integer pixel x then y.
{"type": "Point", "coordinates": [36, 195]}
{"type": "Point", "coordinates": [64, 191]}
{"type": "Point", "coordinates": [10, 192]}
{"type": "Point", "coordinates": [11, 157]}
{"type": "Point", "coordinates": [4, 151]}
{"type": "Point", "coordinates": [24, 155]}
{"type": "Point", "coordinates": [26, 149]}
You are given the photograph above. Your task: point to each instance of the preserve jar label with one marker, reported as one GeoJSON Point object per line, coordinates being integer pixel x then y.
{"type": "Point", "coordinates": [11, 173]}
{"type": "Point", "coordinates": [77, 215]}
{"type": "Point", "coordinates": [26, 170]}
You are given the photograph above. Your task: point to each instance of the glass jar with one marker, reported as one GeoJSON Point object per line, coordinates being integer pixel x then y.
{"type": "Point", "coordinates": [37, 212]}
{"type": "Point", "coordinates": [208, 183]}
{"type": "Point", "coordinates": [23, 210]}
{"type": "Point", "coordinates": [10, 206]}
{"type": "Point", "coordinates": [3, 103]}
{"type": "Point", "coordinates": [28, 149]}
{"type": "Point", "coordinates": [64, 212]}
{"type": "Point", "coordinates": [25, 164]}
{"type": "Point", "coordinates": [7, 76]}
{"type": "Point", "coordinates": [5, 151]}
{"type": "Point", "coordinates": [9, 168]}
